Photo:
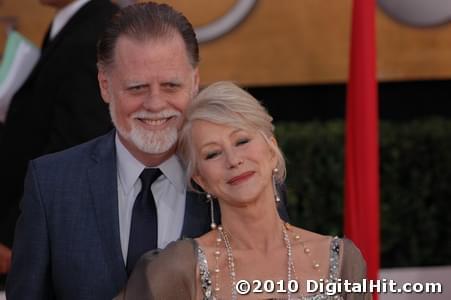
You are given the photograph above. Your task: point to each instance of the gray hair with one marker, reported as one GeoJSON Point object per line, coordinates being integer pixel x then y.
{"type": "Point", "coordinates": [143, 21]}
{"type": "Point", "coordinates": [225, 103]}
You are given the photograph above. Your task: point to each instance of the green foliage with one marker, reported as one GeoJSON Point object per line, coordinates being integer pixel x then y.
{"type": "Point", "coordinates": [415, 185]}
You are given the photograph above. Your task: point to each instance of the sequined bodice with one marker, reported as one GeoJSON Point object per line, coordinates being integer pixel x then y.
{"type": "Point", "coordinates": [333, 274]}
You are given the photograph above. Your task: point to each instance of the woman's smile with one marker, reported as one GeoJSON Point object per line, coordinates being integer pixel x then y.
{"type": "Point", "coordinates": [240, 178]}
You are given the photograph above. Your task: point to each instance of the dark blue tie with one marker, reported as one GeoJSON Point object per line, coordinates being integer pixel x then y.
{"type": "Point", "coordinates": [144, 225]}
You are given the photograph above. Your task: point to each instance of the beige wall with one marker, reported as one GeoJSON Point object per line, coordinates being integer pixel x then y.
{"type": "Point", "coordinates": [288, 42]}
{"type": "Point", "coordinates": [32, 18]}
{"type": "Point", "coordinates": [281, 42]}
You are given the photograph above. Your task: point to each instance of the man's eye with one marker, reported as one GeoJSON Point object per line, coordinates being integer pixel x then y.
{"type": "Point", "coordinates": [136, 88]}
{"type": "Point", "coordinates": [171, 85]}
{"type": "Point", "coordinates": [242, 141]}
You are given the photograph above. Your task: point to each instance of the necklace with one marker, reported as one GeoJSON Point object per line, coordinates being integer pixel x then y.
{"type": "Point", "coordinates": [230, 261]}
{"type": "Point", "coordinates": [306, 250]}
{"type": "Point", "coordinates": [224, 236]}
{"type": "Point", "coordinates": [291, 271]}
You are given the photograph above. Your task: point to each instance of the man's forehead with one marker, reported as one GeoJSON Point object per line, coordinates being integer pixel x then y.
{"type": "Point", "coordinates": [170, 39]}
{"type": "Point", "coordinates": [166, 45]}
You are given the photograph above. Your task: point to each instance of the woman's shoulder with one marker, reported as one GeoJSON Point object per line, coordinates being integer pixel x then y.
{"type": "Point", "coordinates": [348, 253]}
{"type": "Point", "coordinates": [164, 274]}
{"type": "Point", "coordinates": [302, 235]}
{"type": "Point", "coordinates": [180, 246]}
{"type": "Point", "coordinates": [350, 249]}
{"type": "Point", "coordinates": [171, 256]}
{"type": "Point", "coordinates": [207, 240]}
{"type": "Point", "coordinates": [353, 263]}
{"type": "Point", "coordinates": [347, 247]}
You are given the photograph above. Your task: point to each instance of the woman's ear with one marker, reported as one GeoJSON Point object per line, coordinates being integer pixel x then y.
{"type": "Point", "coordinates": [199, 181]}
{"type": "Point", "coordinates": [273, 150]}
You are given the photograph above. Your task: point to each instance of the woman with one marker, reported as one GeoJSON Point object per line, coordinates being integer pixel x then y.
{"type": "Point", "coordinates": [228, 147]}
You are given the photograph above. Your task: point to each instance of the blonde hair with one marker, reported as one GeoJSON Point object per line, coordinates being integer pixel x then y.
{"type": "Point", "coordinates": [224, 103]}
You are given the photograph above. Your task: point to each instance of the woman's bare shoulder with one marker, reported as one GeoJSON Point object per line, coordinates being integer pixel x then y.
{"type": "Point", "coordinates": [207, 240]}
{"type": "Point", "coordinates": [305, 235]}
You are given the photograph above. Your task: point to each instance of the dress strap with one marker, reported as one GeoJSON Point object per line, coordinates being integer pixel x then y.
{"type": "Point", "coordinates": [334, 265]}
{"type": "Point", "coordinates": [205, 278]}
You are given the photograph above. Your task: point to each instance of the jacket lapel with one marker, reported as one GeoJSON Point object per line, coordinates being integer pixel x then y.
{"type": "Point", "coordinates": [103, 187]}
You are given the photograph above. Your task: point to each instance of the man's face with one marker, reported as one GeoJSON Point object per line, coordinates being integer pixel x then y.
{"type": "Point", "coordinates": [148, 87]}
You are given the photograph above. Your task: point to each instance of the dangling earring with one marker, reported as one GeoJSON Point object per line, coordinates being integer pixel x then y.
{"type": "Point", "coordinates": [212, 212]}
{"type": "Point", "coordinates": [274, 172]}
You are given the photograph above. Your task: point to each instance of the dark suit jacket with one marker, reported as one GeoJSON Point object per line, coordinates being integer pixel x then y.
{"type": "Point", "coordinates": [67, 243]}
{"type": "Point", "coordinates": [58, 106]}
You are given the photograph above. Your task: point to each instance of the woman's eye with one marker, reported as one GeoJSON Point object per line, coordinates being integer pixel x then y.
{"type": "Point", "coordinates": [242, 141]}
{"type": "Point", "coordinates": [211, 155]}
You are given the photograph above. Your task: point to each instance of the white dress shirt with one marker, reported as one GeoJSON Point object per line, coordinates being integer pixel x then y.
{"type": "Point", "coordinates": [63, 16]}
{"type": "Point", "coordinates": [169, 191]}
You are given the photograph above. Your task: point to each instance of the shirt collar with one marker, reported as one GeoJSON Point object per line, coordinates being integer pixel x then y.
{"type": "Point", "coordinates": [129, 169]}
{"type": "Point", "coordinates": [63, 16]}
{"type": "Point", "coordinates": [174, 172]}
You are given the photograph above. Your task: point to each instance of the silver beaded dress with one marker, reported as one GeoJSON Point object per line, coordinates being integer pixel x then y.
{"type": "Point", "coordinates": [173, 273]}
{"type": "Point", "coordinates": [333, 274]}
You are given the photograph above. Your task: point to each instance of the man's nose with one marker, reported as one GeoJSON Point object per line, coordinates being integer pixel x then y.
{"type": "Point", "coordinates": [154, 101]}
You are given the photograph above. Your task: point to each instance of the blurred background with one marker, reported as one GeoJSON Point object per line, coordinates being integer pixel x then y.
{"type": "Point", "coordinates": [293, 55]}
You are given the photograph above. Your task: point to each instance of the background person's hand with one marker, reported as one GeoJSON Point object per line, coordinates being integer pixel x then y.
{"type": "Point", "coordinates": [5, 259]}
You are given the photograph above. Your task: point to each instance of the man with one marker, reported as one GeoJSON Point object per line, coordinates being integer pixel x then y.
{"type": "Point", "coordinates": [73, 234]}
{"type": "Point", "coordinates": [77, 237]}
{"type": "Point", "coordinates": [57, 107]}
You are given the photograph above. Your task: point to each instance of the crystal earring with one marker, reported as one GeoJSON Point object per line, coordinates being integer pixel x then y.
{"type": "Point", "coordinates": [274, 172]}
{"type": "Point", "coordinates": [212, 212]}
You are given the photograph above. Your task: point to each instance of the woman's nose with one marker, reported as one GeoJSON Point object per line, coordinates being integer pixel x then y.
{"type": "Point", "coordinates": [233, 160]}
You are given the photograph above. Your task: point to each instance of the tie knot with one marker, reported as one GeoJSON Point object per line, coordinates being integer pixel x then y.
{"type": "Point", "coordinates": [149, 175]}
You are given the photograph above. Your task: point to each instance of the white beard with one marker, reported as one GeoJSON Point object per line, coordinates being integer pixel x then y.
{"type": "Point", "coordinates": [151, 142]}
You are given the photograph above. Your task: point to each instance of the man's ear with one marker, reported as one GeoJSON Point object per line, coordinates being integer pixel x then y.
{"type": "Point", "coordinates": [102, 77]}
{"type": "Point", "coordinates": [196, 81]}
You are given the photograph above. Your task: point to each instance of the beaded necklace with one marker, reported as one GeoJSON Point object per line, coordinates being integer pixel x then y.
{"type": "Point", "coordinates": [224, 236]}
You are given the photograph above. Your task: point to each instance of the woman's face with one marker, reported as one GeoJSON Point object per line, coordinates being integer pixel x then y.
{"type": "Point", "coordinates": [234, 165]}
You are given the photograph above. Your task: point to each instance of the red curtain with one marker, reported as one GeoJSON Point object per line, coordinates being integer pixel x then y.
{"type": "Point", "coordinates": [362, 146]}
